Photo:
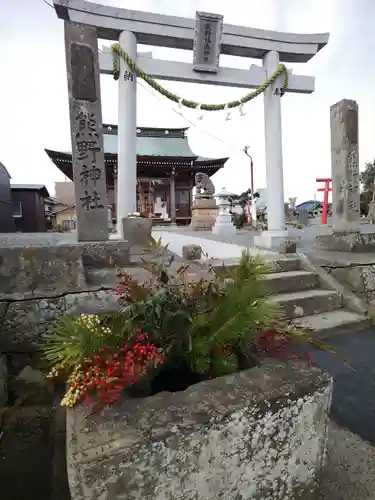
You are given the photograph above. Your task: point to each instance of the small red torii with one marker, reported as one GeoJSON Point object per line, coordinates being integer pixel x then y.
{"type": "Point", "coordinates": [326, 190]}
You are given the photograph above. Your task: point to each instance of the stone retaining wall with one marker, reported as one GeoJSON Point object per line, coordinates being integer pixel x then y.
{"type": "Point", "coordinates": [258, 434]}
{"type": "Point", "coordinates": [40, 283]}
{"type": "Point", "coordinates": [25, 321]}
{"type": "Point", "coordinates": [357, 275]}
{"type": "Point", "coordinates": [355, 242]}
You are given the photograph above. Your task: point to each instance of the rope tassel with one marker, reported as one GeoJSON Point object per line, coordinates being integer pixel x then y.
{"type": "Point", "coordinates": [118, 52]}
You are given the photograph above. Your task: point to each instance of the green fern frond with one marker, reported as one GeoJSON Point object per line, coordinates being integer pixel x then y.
{"type": "Point", "coordinates": [71, 341]}
{"type": "Point", "coordinates": [200, 364]}
{"type": "Point", "coordinates": [224, 364]}
{"type": "Point", "coordinates": [239, 314]}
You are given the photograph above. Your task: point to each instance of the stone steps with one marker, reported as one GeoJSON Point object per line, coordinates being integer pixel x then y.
{"type": "Point", "coordinates": [290, 281]}
{"type": "Point", "coordinates": [339, 321]}
{"type": "Point", "coordinates": [298, 292]}
{"type": "Point", "coordinates": [282, 265]}
{"type": "Point", "coordinates": [308, 302]}
{"type": "Point", "coordinates": [279, 265]}
{"type": "Point", "coordinates": [303, 300]}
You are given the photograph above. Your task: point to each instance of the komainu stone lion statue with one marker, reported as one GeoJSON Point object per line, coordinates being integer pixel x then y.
{"type": "Point", "coordinates": [204, 183]}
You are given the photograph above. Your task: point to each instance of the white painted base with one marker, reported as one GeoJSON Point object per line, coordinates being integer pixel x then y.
{"type": "Point", "coordinates": [115, 236]}
{"type": "Point", "coordinates": [224, 229]}
{"type": "Point", "coordinates": [276, 241]}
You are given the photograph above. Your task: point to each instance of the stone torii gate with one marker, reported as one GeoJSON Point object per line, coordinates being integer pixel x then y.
{"type": "Point", "coordinates": [86, 21]}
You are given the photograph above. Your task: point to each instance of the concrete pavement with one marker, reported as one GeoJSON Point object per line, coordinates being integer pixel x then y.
{"type": "Point", "coordinates": [350, 468]}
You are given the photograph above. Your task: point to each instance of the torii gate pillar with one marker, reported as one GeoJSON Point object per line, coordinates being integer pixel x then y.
{"type": "Point", "coordinates": [274, 238]}
{"type": "Point", "coordinates": [126, 201]}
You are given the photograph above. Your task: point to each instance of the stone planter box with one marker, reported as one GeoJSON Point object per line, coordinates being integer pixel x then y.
{"type": "Point", "coordinates": [137, 230]}
{"type": "Point", "coordinates": [259, 434]}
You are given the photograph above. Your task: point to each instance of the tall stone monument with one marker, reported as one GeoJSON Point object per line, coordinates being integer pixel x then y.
{"type": "Point", "coordinates": [346, 234]}
{"type": "Point", "coordinates": [82, 63]}
{"type": "Point", "coordinates": [204, 209]}
{"type": "Point", "coordinates": [345, 166]}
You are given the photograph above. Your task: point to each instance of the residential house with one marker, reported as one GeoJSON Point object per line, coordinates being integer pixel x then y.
{"type": "Point", "coordinates": [28, 204]}
{"type": "Point", "coordinates": [6, 216]}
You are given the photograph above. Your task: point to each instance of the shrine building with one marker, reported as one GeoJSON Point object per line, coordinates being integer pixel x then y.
{"type": "Point", "coordinates": [166, 168]}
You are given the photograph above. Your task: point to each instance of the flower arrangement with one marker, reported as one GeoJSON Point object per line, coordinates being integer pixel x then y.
{"type": "Point", "coordinates": [106, 374]}
{"type": "Point", "coordinates": [170, 333]}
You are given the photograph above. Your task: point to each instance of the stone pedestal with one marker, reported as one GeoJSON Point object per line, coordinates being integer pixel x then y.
{"type": "Point", "coordinates": [277, 241]}
{"type": "Point", "coordinates": [137, 230]}
{"type": "Point", "coordinates": [204, 214]}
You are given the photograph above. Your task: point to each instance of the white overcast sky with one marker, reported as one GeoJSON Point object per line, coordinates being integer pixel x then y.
{"type": "Point", "coordinates": [34, 103]}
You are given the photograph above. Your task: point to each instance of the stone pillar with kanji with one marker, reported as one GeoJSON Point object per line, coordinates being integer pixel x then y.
{"type": "Point", "coordinates": [81, 47]}
{"type": "Point", "coordinates": [346, 230]}
{"type": "Point", "coordinates": [345, 167]}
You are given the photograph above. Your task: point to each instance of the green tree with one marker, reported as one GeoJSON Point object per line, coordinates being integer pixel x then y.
{"type": "Point", "coordinates": [365, 198]}
{"type": "Point", "coordinates": [242, 199]}
{"type": "Point", "coordinates": [239, 220]}
{"type": "Point", "coordinates": [367, 177]}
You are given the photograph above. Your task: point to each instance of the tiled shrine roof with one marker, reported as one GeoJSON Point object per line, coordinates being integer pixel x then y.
{"type": "Point", "coordinates": [156, 147]}
{"type": "Point", "coordinates": [152, 142]}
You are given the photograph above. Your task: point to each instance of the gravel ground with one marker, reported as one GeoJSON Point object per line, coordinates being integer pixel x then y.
{"type": "Point", "coordinates": [243, 237]}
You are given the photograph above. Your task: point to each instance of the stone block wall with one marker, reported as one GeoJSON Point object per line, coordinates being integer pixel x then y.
{"type": "Point", "coordinates": [34, 272]}
{"type": "Point", "coordinates": [258, 434]}
{"type": "Point", "coordinates": [357, 276]}
{"type": "Point", "coordinates": [40, 283]}
{"type": "Point", "coordinates": [355, 242]}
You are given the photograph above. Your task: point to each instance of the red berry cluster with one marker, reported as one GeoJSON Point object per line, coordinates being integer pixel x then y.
{"type": "Point", "coordinates": [108, 373]}
{"type": "Point", "coordinates": [277, 345]}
